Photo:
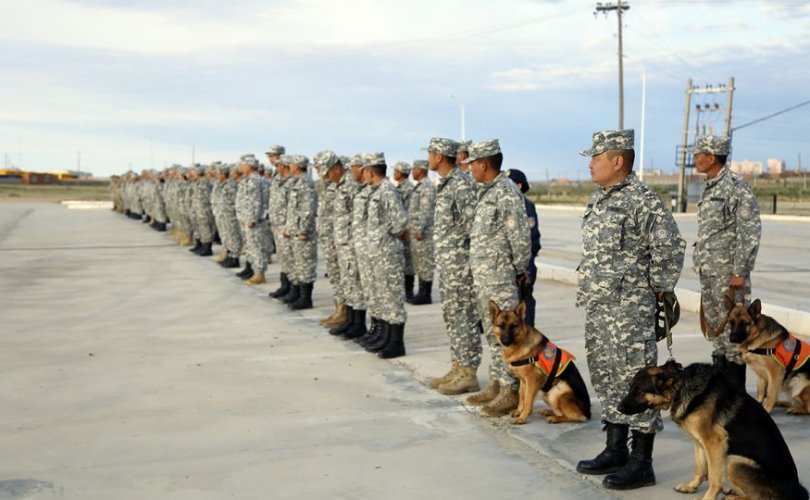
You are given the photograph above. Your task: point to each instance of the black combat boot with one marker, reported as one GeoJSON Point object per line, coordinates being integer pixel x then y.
{"type": "Point", "coordinates": [638, 472]}
{"type": "Point", "coordinates": [230, 263]}
{"type": "Point", "coordinates": [196, 247]}
{"type": "Point", "coordinates": [423, 297]}
{"type": "Point", "coordinates": [147, 220]}
{"type": "Point", "coordinates": [160, 226]}
{"type": "Point", "coordinates": [305, 300]}
{"type": "Point", "coordinates": [205, 251]}
{"type": "Point", "coordinates": [347, 323]}
{"type": "Point", "coordinates": [396, 344]}
{"type": "Point", "coordinates": [358, 326]}
{"type": "Point", "coordinates": [292, 295]}
{"type": "Point", "coordinates": [371, 335]}
{"type": "Point", "coordinates": [284, 289]}
{"type": "Point", "coordinates": [613, 457]}
{"type": "Point", "coordinates": [247, 272]}
{"type": "Point", "coordinates": [382, 339]}
{"type": "Point", "coordinates": [409, 279]}
{"type": "Point", "coordinates": [217, 239]}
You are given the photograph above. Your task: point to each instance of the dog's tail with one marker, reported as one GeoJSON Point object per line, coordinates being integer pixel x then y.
{"type": "Point", "coordinates": [574, 379]}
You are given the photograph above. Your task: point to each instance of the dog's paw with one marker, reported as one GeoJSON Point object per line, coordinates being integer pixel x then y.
{"type": "Point", "coordinates": [518, 420]}
{"type": "Point", "coordinates": [546, 412]}
{"type": "Point", "coordinates": [685, 488]}
{"type": "Point", "coordinates": [796, 410]}
{"type": "Point", "coordinates": [556, 419]}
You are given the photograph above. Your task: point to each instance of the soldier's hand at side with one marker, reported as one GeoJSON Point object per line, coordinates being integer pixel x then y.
{"type": "Point", "coordinates": [522, 280]}
{"type": "Point", "coordinates": [302, 237]}
{"type": "Point", "coordinates": [251, 224]}
{"type": "Point", "coordinates": [285, 234]}
{"type": "Point", "coordinates": [404, 236]}
{"type": "Point", "coordinates": [659, 296]}
{"type": "Point", "coordinates": [735, 283]}
{"type": "Point", "coordinates": [418, 236]}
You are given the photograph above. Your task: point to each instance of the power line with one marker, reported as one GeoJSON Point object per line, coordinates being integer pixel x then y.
{"type": "Point", "coordinates": [805, 103]}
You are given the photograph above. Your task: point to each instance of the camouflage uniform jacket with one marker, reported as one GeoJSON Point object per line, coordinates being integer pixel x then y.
{"type": "Point", "coordinates": [405, 189]}
{"type": "Point", "coordinates": [360, 215]}
{"type": "Point", "coordinates": [302, 206]}
{"type": "Point", "coordinates": [630, 244]}
{"type": "Point", "coordinates": [251, 199]}
{"type": "Point", "coordinates": [386, 220]}
{"type": "Point", "coordinates": [277, 210]}
{"type": "Point", "coordinates": [729, 227]}
{"type": "Point", "coordinates": [326, 211]}
{"type": "Point", "coordinates": [216, 198]}
{"type": "Point", "coordinates": [500, 244]}
{"type": "Point", "coordinates": [342, 208]}
{"type": "Point", "coordinates": [453, 217]}
{"type": "Point", "coordinates": [201, 197]}
{"type": "Point", "coordinates": [421, 207]}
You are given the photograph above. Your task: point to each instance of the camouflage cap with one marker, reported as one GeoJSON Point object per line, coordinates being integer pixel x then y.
{"type": "Point", "coordinates": [463, 147]}
{"type": "Point", "coordinates": [345, 160]}
{"type": "Point", "coordinates": [483, 149]}
{"type": "Point", "coordinates": [420, 164]}
{"type": "Point", "coordinates": [610, 140]}
{"type": "Point", "coordinates": [324, 160]}
{"type": "Point", "coordinates": [717, 145]}
{"type": "Point", "coordinates": [402, 166]}
{"type": "Point", "coordinates": [283, 160]}
{"type": "Point", "coordinates": [299, 160]}
{"type": "Point", "coordinates": [441, 145]}
{"type": "Point", "coordinates": [275, 149]}
{"type": "Point", "coordinates": [373, 159]}
{"type": "Point", "coordinates": [357, 159]}
{"type": "Point", "coordinates": [249, 159]}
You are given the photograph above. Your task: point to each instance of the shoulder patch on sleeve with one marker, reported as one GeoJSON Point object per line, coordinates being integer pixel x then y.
{"type": "Point", "coordinates": [746, 210]}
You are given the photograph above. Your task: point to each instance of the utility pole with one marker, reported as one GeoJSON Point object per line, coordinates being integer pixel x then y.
{"type": "Point", "coordinates": [681, 155]}
{"type": "Point", "coordinates": [619, 7]}
{"type": "Point", "coordinates": [78, 164]}
{"type": "Point", "coordinates": [461, 106]}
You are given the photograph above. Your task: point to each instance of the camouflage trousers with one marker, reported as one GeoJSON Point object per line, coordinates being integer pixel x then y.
{"type": "Point", "coordinates": [459, 310]}
{"type": "Point", "coordinates": [364, 269]}
{"type": "Point", "coordinates": [204, 226]}
{"type": "Point", "coordinates": [406, 251]}
{"type": "Point", "coordinates": [506, 296]}
{"type": "Point", "coordinates": [229, 232]}
{"type": "Point", "coordinates": [304, 260]}
{"type": "Point", "coordinates": [388, 278]}
{"type": "Point", "coordinates": [330, 257]}
{"type": "Point", "coordinates": [423, 257]}
{"type": "Point", "coordinates": [270, 248]}
{"type": "Point", "coordinates": [255, 241]}
{"type": "Point", "coordinates": [350, 287]}
{"type": "Point", "coordinates": [713, 289]}
{"type": "Point", "coordinates": [185, 221]}
{"type": "Point", "coordinates": [620, 341]}
{"type": "Point", "coordinates": [159, 210]}
{"type": "Point", "coordinates": [284, 253]}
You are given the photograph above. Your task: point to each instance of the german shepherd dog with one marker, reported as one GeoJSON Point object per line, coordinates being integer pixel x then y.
{"type": "Point", "coordinates": [768, 348]}
{"type": "Point", "coordinates": [524, 349]}
{"type": "Point", "coordinates": [732, 432]}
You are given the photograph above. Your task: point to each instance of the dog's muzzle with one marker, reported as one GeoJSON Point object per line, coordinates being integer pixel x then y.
{"type": "Point", "coordinates": [507, 338]}
{"type": "Point", "coordinates": [738, 333]}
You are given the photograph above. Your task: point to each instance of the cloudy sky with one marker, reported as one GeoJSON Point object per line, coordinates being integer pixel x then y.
{"type": "Point", "coordinates": [139, 82]}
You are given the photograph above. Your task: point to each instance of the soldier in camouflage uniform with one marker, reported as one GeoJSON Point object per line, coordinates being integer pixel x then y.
{"type": "Point", "coordinates": [346, 224]}
{"type": "Point", "coordinates": [325, 163]}
{"type": "Point", "coordinates": [251, 205]}
{"type": "Point", "coordinates": [202, 216]}
{"type": "Point", "coordinates": [365, 267]}
{"type": "Point", "coordinates": [453, 216]}
{"type": "Point", "coordinates": [223, 202]}
{"type": "Point", "coordinates": [385, 226]}
{"type": "Point", "coordinates": [420, 231]}
{"type": "Point", "coordinates": [115, 193]}
{"type": "Point", "coordinates": [273, 153]}
{"type": "Point", "coordinates": [277, 212]}
{"type": "Point", "coordinates": [184, 200]}
{"type": "Point", "coordinates": [500, 249]}
{"type": "Point", "coordinates": [729, 230]}
{"type": "Point", "coordinates": [405, 188]}
{"type": "Point", "coordinates": [632, 252]}
{"type": "Point", "coordinates": [302, 207]}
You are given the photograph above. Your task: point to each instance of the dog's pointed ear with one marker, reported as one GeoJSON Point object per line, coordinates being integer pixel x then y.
{"type": "Point", "coordinates": [521, 310]}
{"type": "Point", "coordinates": [729, 302]}
{"type": "Point", "coordinates": [493, 310]}
{"type": "Point", "coordinates": [755, 309]}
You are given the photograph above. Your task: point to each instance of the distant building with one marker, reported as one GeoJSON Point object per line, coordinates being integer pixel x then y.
{"type": "Point", "coordinates": [775, 166]}
{"type": "Point", "coordinates": [747, 167]}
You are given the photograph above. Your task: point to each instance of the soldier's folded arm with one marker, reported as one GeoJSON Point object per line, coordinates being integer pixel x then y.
{"type": "Point", "coordinates": [667, 248]}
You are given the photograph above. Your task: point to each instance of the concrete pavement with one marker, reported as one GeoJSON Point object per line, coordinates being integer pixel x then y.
{"type": "Point", "coordinates": [134, 369]}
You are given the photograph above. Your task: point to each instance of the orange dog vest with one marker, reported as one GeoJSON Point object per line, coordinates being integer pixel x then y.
{"type": "Point", "coordinates": [545, 359]}
{"type": "Point", "coordinates": [785, 351]}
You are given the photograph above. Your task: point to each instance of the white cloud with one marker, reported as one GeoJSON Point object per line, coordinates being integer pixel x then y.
{"type": "Point", "coordinates": [549, 77]}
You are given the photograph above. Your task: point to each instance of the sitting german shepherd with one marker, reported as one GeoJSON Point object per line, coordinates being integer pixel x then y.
{"type": "Point", "coordinates": [540, 366]}
{"type": "Point", "coordinates": [780, 360]}
{"type": "Point", "coordinates": [732, 432]}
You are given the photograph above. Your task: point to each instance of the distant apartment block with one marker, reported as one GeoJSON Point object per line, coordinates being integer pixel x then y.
{"type": "Point", "coordinates": [747, 167]}
{"type": "Point", "coordinates": [775, 166]}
